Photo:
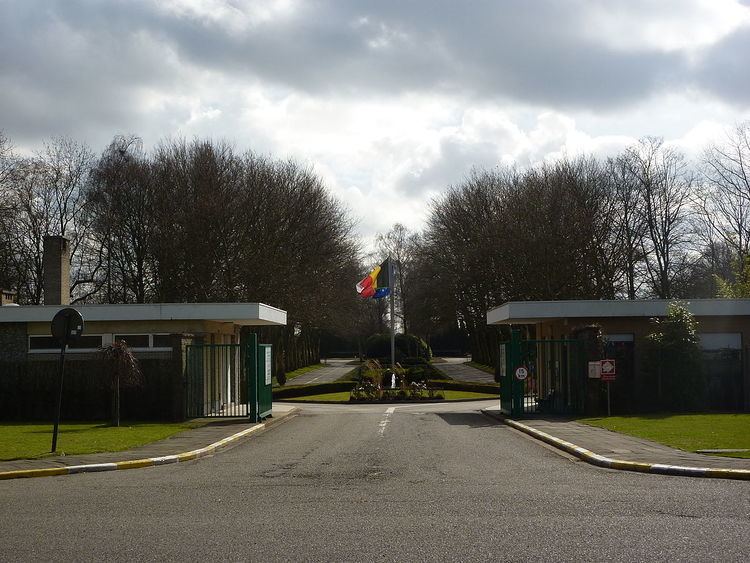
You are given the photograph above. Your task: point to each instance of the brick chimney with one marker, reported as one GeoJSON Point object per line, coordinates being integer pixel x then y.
{"type": "Point", "coordinates": [7, 297]}
{"type": "Point", "coordinates": [56, 264]}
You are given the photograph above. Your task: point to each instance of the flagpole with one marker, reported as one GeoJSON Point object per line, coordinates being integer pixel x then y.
{"type": "Point", "coordinates": [393, 316]}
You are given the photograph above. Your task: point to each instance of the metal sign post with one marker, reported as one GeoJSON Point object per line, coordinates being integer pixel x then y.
{"type": "Point", "coordinates": [608, 372]}
{"type": "Point", "coordinates": [67, 326]}
{"type": "Point", "coordinates": [393, 315]}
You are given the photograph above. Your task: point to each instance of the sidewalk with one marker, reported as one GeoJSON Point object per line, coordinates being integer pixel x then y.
{"type": "Point", "coordinates": [621, 447]}
{"type": "Point", "coordinates": [455, 368]}
{"type": "Point", "coordinates": [188, 441]}
{"type": "Point", "coordinates": [334, 369]}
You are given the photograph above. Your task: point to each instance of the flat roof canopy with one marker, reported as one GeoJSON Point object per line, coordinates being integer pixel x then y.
{"type": "Point", "coordinates": [243, 314]}
{"type": "Point", "coordinates": [533, 312]}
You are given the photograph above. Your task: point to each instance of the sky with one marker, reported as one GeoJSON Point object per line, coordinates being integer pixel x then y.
{"type": "Point", "coordinates": [390, 102]}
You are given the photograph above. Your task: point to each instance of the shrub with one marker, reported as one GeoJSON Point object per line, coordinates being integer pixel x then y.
{"type": "Point", "coordinates": [673, 360]}
{"type": "Point", "coordinates": [314, 389]}
{"type": "Point", "coordinates": [407, 346]}
{"type": "Point", "coordinates": [281, 377]}
{"type": "Point", "coordinates": [124, 371]}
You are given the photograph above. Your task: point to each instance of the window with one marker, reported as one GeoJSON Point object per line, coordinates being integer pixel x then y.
{"type": "Point", "coordinates": [85, 343]}
{"type": "Point", "coordinates": [43, 343]}
{"type": "Point", "coordinates": [721, 341]}
{"type": "Point", "coordinates": [134, 340]}
{"type": "Point", "coordinates": [162, 341]}
{"type": "Point", "coordinates": [628, 337]}
{"type": "Point", "coordinates": [93, 342]}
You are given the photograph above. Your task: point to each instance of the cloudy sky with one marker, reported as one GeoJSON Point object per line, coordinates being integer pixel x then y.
{"type": "Point", "coordinates": [389, 101]}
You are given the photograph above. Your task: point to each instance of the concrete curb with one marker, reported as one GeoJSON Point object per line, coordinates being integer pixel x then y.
{"type": "Point", "coordinates": [146, 462]}
{"type": "Point", "coordinates": [609, 463]}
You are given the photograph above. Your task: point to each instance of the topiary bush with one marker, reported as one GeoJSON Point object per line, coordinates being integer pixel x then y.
{"type": "Point", "coordinates": [407, 346]}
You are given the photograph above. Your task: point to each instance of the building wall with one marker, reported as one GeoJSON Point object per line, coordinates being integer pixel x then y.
{"type": "Point", "coordinates": [640, 327]}
{"type": "Point", "coordinates": [135, 327]}
{"type": "Point", "coordinates": [13, 341]}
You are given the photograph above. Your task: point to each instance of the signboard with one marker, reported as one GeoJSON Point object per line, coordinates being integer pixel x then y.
{"type": "Point", "coordinates": [522, 373]}
{"type": "Point", "coordinates": [268, 365]}
{"type": "Point", "coordinates": [608, 370]}
{"type": "Point", "coordinates": [595, 370]}
{"type": "Point", "coordinates": [67, 326]}
{"type": "Point", "coordinates": [501, 361]}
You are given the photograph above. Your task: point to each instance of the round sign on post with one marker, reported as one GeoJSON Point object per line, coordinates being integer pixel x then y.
{"type": "Point", "coordinates": [522, 372]}
{"type": "Point", "coordinates": [67, 326]}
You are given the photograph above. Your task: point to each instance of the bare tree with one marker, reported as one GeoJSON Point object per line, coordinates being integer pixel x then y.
{"type": "Point", "coordinates": [8, 165]}
{"type": "Point", "coordinates": [49, 197]}
{"type": "Point", "coordinates": [121, 200]}
{"type": "Point", "coordinates": [664, 183]}
{"type": "Point", "coordinates": [628, 225]}
{"type": "Point", "coordinates": [724, 195]}
{"type": "Point", "coordinates": [399, 244]}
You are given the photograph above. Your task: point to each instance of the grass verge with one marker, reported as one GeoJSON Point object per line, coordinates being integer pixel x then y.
{"type": "Point", "coordinates": [689, 432]}
{"type": "Point", "coordinates": [33, 441]}
{"type": "Point", "coordinates": [350, 375]}
{"type": "Point", "coordinates": [343, 397]}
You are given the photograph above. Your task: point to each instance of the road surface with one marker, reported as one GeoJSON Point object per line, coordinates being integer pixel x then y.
{"type": "Point", "coordinates": [406, 483]}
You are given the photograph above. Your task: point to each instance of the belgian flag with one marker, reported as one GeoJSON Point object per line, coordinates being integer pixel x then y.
{"type": "Point", "coordinates": [378, 283]}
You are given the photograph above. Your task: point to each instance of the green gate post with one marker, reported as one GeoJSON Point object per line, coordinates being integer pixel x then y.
{"type": "Point", "coordinates": [516, 386]}
{"type": "Point", "coordinates": [265, 392]}
{"type": "Point", "coordinates": [251, 371]}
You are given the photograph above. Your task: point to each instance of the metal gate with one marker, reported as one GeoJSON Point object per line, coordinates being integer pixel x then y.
{"type": "Point", "coordinates": [552, 378]}
{"type": "Point", "coordinates": [228, 380]}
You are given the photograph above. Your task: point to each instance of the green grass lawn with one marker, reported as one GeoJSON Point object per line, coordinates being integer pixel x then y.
{"type": "Point", "coordinates": [31, 441]}
{"type": "Point", "coordinates": [688, 432]}
{"type": "Point", "coordinates": [344, 396]}
{"type": "Point", "coordinates": [350, 375]}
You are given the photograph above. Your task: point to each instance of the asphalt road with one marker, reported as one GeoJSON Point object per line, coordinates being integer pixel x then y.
{"type": "Point", "coordinates": [428, 482]}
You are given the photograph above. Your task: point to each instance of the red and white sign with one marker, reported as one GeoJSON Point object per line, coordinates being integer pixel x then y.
{"type": "Point", "coordinates": [608, 370]}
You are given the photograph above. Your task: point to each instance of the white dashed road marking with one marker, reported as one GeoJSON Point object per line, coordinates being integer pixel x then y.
{"type": "Point", "coordinates": [386, 419]}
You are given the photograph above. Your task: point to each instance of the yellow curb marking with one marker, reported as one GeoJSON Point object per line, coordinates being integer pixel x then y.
{"type": "Point", "coordinates": [34, 472]}
{"type": "Point", "coordinates": [655, 468]}
{"type": "Point", "coordinates": [137, 463]}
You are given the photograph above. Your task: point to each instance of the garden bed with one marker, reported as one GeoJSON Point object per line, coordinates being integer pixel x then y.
{"type": "Point", "coordinates": [344, 398]}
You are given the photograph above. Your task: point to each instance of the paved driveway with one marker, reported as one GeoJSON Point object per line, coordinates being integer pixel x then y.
{"type": "Point", "coordinates": [334, 369]}
{"type": "Point", "coordinates": [408, 483]}
{"type": "Point", "coordinates": [455, 368]}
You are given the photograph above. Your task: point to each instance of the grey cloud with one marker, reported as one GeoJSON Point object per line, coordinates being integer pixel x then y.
{"type": "Point", "coordinates": [724, 70]}
{"type": "Point", "coordinates": [454, 162]}
{"type": "Point", "coordinates": [84, 61]}
{"type": "Point", "coordinates": [517, 50]}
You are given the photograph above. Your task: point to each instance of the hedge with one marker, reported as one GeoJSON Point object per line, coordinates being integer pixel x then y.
{"type": "Point", "coordinates": [465, 386]}
{"type": "Point", "coordinates": [339, 386]}
{"type": "Point", "coordinates": [317, 389]}
{"type": "Point", "coordinates": [28, 391]}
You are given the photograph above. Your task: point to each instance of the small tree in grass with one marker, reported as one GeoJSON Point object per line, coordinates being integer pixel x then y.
{"type": "Point", "coordinates": [673, 360]}
{"type": "Point", "coordinates": [123, 369]}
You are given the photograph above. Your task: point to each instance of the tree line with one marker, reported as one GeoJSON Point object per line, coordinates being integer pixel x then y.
{"type": "Point", "coordinates": [646, 223]}
{"type": "Point", "coordinates": [190, 221]}
{"type": "Point", "coordinates": [200, 221]}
